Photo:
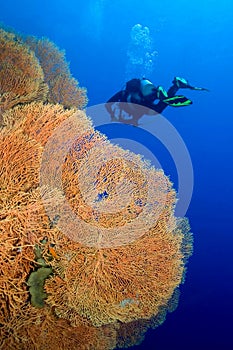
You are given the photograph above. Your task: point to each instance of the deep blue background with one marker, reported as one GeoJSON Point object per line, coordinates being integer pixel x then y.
{"type": "Point", "coordinates": [194, 40]}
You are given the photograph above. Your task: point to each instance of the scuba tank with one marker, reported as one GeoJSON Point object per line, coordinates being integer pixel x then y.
{"type": "Point", "coordinates": [147, 88]}
{"type": "Point", "coordinates": [140, 89]}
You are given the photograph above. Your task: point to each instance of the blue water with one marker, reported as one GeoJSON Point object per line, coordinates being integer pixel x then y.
{"type": "Point", "coordinates": [193, 40]}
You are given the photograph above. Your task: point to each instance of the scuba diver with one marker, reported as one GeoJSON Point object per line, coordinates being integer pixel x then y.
{"type": "Point", "coordinates": [143, 93]}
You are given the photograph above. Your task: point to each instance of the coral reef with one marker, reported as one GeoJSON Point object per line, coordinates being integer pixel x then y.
{"type": "Point", "coordinates": [35, 70]}
{"type": "Point", "coordinates": [91, 254]}
{"type": "Point", "coordinates": [63, 88]}
{"type": "Point", "coordinates": [21, 76]}
{"type": "Point", "coordinates": [39, 329]}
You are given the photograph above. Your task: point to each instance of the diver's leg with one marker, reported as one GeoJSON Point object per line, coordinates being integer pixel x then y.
{"type": "Point", "coordinates": [172, 90]}
{"type": "Point", "coordinates": [177, 84]}
{"type": "Point", "coordinates": [160, 106]}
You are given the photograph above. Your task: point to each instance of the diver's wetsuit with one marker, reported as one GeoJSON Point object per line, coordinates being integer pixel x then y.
{"type": "Point", "coordinates": [123, 96]}
{"type": "Point", "coordinates": [160, 106]}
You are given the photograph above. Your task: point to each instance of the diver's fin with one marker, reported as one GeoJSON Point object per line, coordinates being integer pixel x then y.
{"type": "Point", "coordinates": [184, 84]}
{"type": "Point", "coordinates": [197, 88]}
{"type": "Point", "coordinates": [177, 101]}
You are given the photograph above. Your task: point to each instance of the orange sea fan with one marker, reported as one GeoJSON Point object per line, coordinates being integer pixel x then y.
{"type": "Point", "coordinates": [42, 330]}
{"type": "Point", "coordinates": [16, 261]}
{"type": "Point", "coordinates": [20, 163]}
{"type": "Point", "coordinates": [23, 221]}
{"type": "Point", "coordinates": [38, 120]}
{"type": "Point", "coordinates": [63, 88]}
{"type": "Point", "coordinates": [23, 225]}
{"type": "Point", "coordinates": [73, 257]}
{"type": "Point", "coordinates": [95, 169]}
{"type": "Point", "coordinates": [125, 284]}
{"type": "Point", "coordinates": [132, 333]}
{"type": "Point", "coordinates": [113, 271]}
{"type": "Point", "coordinates": [21, 77]}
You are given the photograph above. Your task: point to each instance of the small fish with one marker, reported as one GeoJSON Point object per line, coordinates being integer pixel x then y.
{"type": "Point", "coordinates": [52, 251]}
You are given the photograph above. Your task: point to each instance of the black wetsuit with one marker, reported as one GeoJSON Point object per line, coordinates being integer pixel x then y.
{"type": "Point", "coordinates": [123, 96]}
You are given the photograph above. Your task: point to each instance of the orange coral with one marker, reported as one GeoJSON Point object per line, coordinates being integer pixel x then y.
{"type": "Point", "coordinates": [132, 333]}
{"type": "Point", "coordinates": [19, 179]}
{"type": "Point", "coordinates": [21, 76]}
{"type": "Point", "coordinates": [20, 164]}
{"type": "Point", "coordinates": [15, 266]}
{"type": "Point", "coordinates": [107, 281]}
{"type": "Point", "coordinates": [100, 217]}
{"type": "Point", "coordinates": [42, 330]}
{"type": "Point", "coordinates": [38, 120]}
{"type": "Point", "coordinates": [127, 283]}
{"type": "Point", "coordinates": [63, 88]}
{"type": "Point", "coordinates": [125, 180]}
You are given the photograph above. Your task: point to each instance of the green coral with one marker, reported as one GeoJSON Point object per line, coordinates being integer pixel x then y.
{"type": "Point", "coordinates": [37, 278]}
{"type": "Point", "coordinates": [36, 282]}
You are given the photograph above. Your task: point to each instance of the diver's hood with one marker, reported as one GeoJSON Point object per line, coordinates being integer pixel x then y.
{"type": "Point", "coordinates": [147, 88]}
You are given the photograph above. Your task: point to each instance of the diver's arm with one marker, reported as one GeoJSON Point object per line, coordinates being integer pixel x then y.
{"type": "Point", "coordinates": [118, 97]}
